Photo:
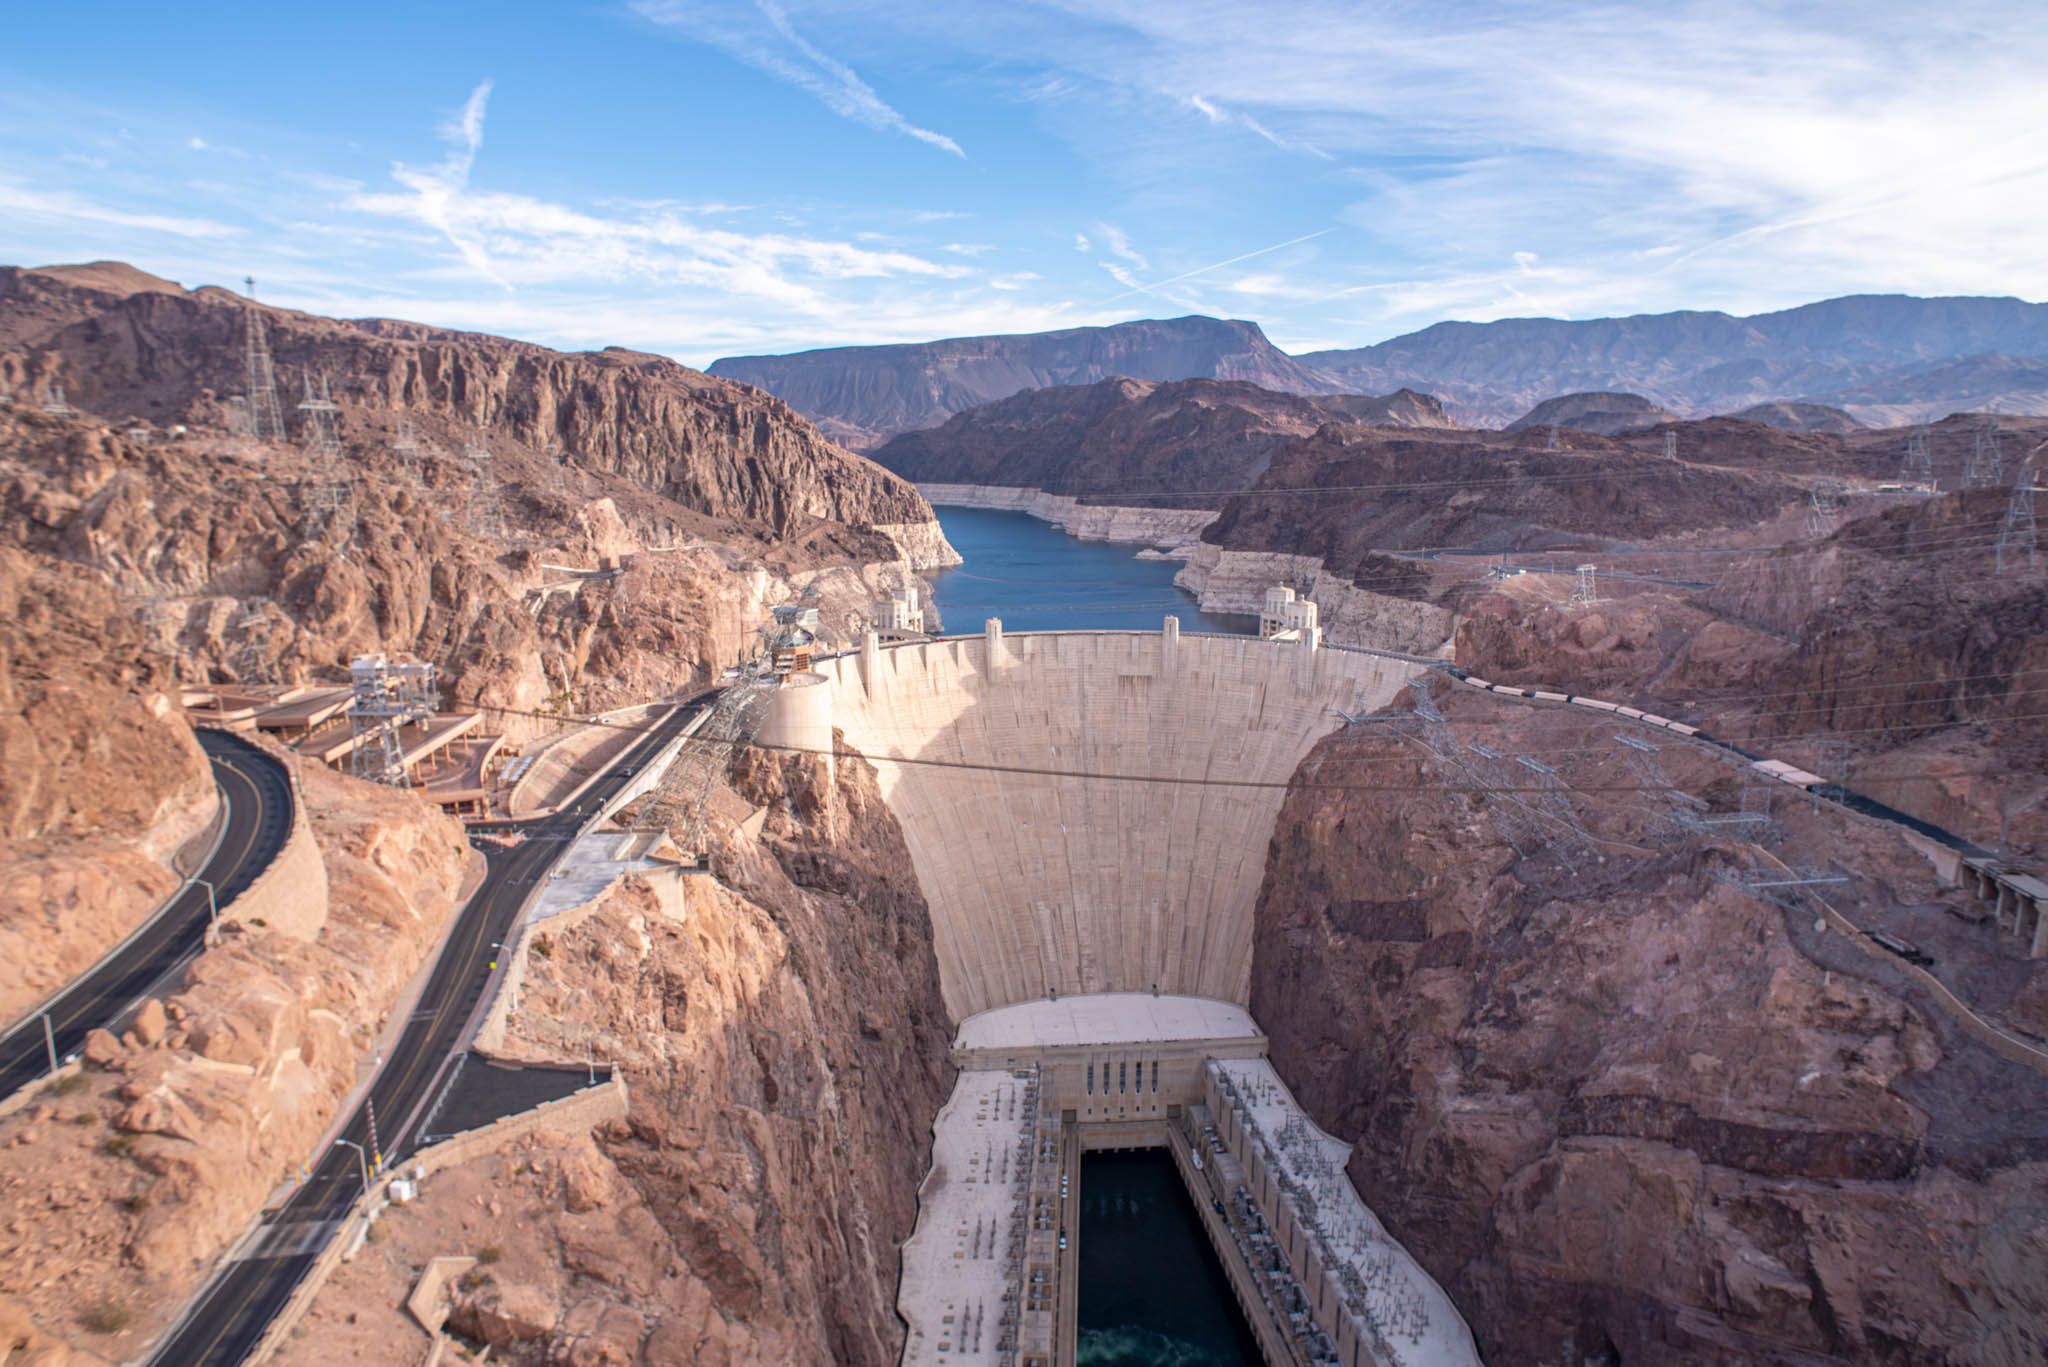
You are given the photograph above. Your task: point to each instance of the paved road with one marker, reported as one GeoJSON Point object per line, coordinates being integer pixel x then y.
{"type": "Point", "coordinates": [257, 793]}
{"type": "Point", "coordinates": [232, 1313]}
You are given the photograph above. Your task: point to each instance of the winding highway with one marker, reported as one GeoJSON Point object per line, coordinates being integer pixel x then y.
{"type": "Point", "coordinates": [229, 1317]}
{"type": "Point", "coordinates": [256, 793]}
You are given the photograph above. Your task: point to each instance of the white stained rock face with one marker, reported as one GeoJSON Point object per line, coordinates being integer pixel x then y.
{"type": "Point", "coordinates": [1095, 852]}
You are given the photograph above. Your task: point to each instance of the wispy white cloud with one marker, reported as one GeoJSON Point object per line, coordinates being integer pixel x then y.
{"type": "Point", "coordinates": [763, 37]}
{"type": "Point", "coordinates": [63, 206]}
{"type": "Point", "coordinates": [1221, 117]}
{"type": "Point", "coordinates": [440, 193]}
{"type": "Point", "coordinates": [1118, 244]}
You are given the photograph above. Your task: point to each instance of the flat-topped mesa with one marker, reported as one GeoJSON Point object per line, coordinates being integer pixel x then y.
{"type": "Point", "coordinates": [1089, 811]}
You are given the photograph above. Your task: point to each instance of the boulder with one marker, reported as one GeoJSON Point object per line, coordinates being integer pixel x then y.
{"type": "Point", "coordinates": [150, 1023]}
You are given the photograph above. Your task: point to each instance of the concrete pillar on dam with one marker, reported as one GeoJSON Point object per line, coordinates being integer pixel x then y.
{"type": "Point", "coordinates": [1169, 643]}
{"type": "Point", "coordinates": [870, 656]}
{"type": "Point", "coordinates": [996, 658]}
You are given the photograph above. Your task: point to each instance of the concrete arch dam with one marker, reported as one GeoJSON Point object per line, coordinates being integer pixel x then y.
{"type": "Point", "coordinates": [1042, 882]}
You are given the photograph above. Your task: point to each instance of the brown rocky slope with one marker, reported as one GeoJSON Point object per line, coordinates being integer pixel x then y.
{"type": "Point", "coordinates": [718, 500]}
{"type": "Point", "coordinates": [786, 1050]}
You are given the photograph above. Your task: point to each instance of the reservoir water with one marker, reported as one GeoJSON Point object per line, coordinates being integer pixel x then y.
{"type": "Point", "coordinates": [1037, 578]}
{"type": "Point", "coordinates": [1152, 1293]}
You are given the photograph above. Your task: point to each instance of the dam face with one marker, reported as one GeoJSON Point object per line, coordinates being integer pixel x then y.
{"type": "Point", "coordinates": [1090, 855]}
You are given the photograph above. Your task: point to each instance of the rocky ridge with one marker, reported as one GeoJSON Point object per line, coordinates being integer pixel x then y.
{"type": "Point", "coordinates": [1607, 414]}
{"type": "Point", "coordinates": [865, 395]}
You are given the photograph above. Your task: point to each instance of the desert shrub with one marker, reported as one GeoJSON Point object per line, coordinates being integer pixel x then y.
{"type": "Point", "coordinates": [106, 1316]}
{"type": "Point", "coordinates": [489, 1254]}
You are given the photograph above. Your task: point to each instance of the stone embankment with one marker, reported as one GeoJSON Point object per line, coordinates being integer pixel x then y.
{"type": "Point", "coordinates": [1236, 581]}
{"type": "Point", "coordinates": [1162, 527]}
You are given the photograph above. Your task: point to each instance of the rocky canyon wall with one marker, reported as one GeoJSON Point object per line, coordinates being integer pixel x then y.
{"type": "Point", "coordinates": [1626, 1111]}
{"type": "Point", "coordinates": [785, 1046]}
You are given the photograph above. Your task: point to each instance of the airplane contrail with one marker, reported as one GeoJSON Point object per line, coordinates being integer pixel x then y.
{"type": "Point", "coordinates": [1217, 265]}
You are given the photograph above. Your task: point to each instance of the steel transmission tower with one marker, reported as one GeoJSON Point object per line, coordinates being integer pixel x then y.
{"type": "Point", "coordinates": [324, 491]}
{"type": "Point", "coordinates": [2016, 538]}
{"type": "Point", "coordinates": [264, 412]}
{"type": "Point", "coordinates": [1918, 467]}
{"type": "Point", "coordinates": [1584, 589]}
{"type": "Point", "coordinates": [1823, 506]}
{"type": "Point", "coordinates": [1985, 462]}
{"type": "Point", "coordinates": [389, 695]}
{"type": "Point", "coordinates": [1671, 444]}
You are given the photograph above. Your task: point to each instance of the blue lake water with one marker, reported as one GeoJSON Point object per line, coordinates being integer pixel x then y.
{"type": "Point", "coordinates": [1037, 578]}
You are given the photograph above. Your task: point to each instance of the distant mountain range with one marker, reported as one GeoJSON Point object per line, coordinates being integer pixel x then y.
{"type": "Point", "coordinates": [1884, 359]}
{"type": "Point", "coordinates": [863, 395]}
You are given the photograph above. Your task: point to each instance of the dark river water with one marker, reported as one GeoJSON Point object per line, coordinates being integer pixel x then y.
{"type": "Point", "coordinates": [1152, 1293]}
{"type": "Point", "coordinates": [1037, 578]}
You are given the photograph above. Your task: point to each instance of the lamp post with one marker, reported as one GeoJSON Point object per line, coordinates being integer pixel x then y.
{"type": "Point", "coordinates": [212, 911]}
{"type": "Point", "coordinates": [362, 1161]}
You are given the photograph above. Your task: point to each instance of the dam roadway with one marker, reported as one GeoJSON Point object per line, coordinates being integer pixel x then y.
{"type": "Point", "coordinates": [256, 819]}
{"type": "Point", "coordinates": [231, 1314]}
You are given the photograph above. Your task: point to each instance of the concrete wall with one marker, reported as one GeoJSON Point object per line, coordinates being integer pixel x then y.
{"type": "Point", "coordinates": [1044, 883]}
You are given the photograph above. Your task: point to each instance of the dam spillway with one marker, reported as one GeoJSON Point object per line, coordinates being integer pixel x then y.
{"type": "Point", "coordinates": [1083, 809]}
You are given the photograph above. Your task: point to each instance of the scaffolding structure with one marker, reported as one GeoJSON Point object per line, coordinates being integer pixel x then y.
{"type": "Point", "coordinates": [388, 696]}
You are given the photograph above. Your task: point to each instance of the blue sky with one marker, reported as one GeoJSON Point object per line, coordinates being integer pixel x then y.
{"type": "Point", "coordinates": [703, 179]}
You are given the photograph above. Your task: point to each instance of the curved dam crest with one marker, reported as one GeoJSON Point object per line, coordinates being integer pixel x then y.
{"type": "Point", "coordinates": [1069, 881]}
